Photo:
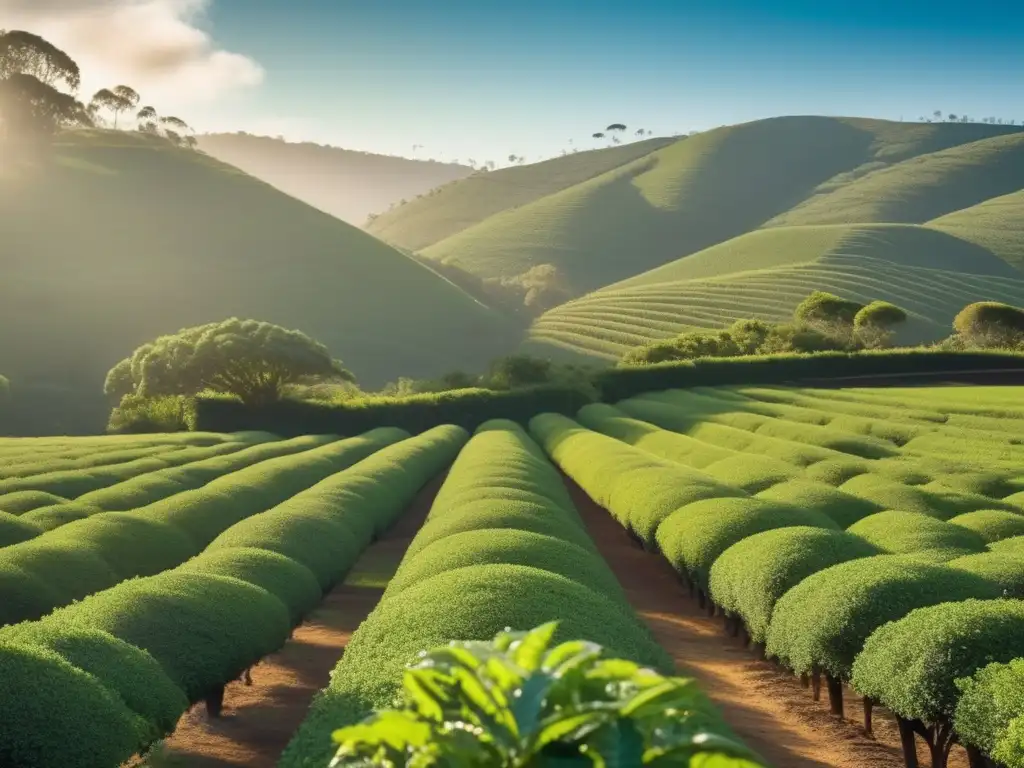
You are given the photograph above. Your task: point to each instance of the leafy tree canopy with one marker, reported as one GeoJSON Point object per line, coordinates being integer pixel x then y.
{"type": "Point", "coordinates": [247, 358]}
{"type": "Point", "coordinates": [990, 323]}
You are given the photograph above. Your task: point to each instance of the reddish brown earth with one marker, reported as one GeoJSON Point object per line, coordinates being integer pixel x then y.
{"type": "Point", "coordinates": [766, 706]}
{"type": "Point", "coordinates": [258, 721]}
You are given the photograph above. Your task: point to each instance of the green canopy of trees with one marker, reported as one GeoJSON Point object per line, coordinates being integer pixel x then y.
{"type": "Point", "coordinates": [250, 359]}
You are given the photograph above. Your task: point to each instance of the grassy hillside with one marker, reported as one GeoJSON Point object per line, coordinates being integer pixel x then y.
{"type": "Point", "coordinates": [423, 222]}
{"type": "Point", "coordinates": [908, 244]}
{"type": "Point", "coordinates": [344, 183]}
{"type": "Point", "coordinates": [609, 323]}
{"type": "Point", "coordinates": [120, 237]}
{"type": "Point", "coordinates": [921, 188]}
{"type": "Point", "coordinates": [996, 225]}
{"type": "Point", "coordinates": [699, 192]}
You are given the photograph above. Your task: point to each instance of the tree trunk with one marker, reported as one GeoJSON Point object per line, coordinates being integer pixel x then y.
{"type": "Point", "coordinates": [977, 760]}
{"type": "Point", "coordinates": [737, 625]}
{"type": "Point", "coordinates": [941, 742]}
{"type": "Point", "coordinates": [816, 684]}
{"type": "Point", "coordinates": [908, 742]}
{"type": "Point", "coordinates": [215, 702]}
{"type": "Point", "coordinates": [835, 694]}
{"type": "Point", "coordinates": [712, 608]}
{"type": "Point", "coordinates": [869, 705]}
{"type": "Point", "coordinates": [805, 681]}
{"type": "Point", "coordinates": [701, 601]}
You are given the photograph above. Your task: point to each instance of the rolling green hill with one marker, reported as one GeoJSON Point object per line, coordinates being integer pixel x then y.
{"type": "Point", "coordinates": [459, 205]}
{"type": "Point", "coordinates": [716, 186]}
{"type": "Point", "coordinates": [347, 184]}
{"type": "Point", "coordinates": [996, 224]}
{"type": "Point", "coordinates": [921, 188]}
{"type": "Point", "coordinates": [119, 237]}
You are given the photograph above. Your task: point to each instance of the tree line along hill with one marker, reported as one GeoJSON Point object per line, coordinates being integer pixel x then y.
{"type": "Point", "coordinates": [115, 238]}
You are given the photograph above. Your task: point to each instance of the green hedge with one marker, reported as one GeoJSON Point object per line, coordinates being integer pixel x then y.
{"type": "Point", "coordinates": [844, 509]}
{"type": "Point", "coordinates": [823, 622]}
{"type": "Point", "coordinates": [748, 579]}
{"type": "Point", "coordinates": [468, 408]}
{"type": "Point", "coordinates": [462, 582]}
{"type": "Point", "coordinates": [990, 712]}
{"type": "Point", "coordinates": [639, 489]}
{"type": "Point", "coordinates": [1004, 570]}
{"type": "Point", "coordinates": [991, 524]}
{"type": "Point", "coordinates": [627, 381]}
{"type": "Point", "coordinates": [693, 537]}
{"type": "Point", "coordinates": [161, 642]}
{"type": "Point", "coordinates": [903, 533]}
{"type": "Point", "coordinates": [912, 665]}
{"type": "Point", "coordinates": [93, 554]}
{"type": "Point", "coordinates": [20, 502]}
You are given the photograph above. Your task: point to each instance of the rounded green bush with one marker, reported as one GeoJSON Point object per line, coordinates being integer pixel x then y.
{"type": "Point", "coordinates": [695, 536]}
{"type": "Point", "coordinates": [991, 700]}
{"type": "Point", "coordinates": [14, 530]}
{"type": "Point", "coordinates": [19, 502]}
{"type": "Point", "coordinates": [123, 669]}
{"type": "Point", "coordinates": [55, 715]}
{"type": "Point", "coordinates": [1004, 570]}
{"type": "Point", "coordinates": [132, 543]}
{"type": "Point", "coordinates": [835, 472]}
{"type": "Point", "coordinates": [823, 621]}
{"type": "Point", "coordinates": [992, 524]}
{"type": "Point", "coordinates": [752, 473]}
{"type": "Point", "coordinates": [751, 575]}
{"type": "Point", "coordinates": [55, 515]}
{"type": "Point", "coordinates": [912, 665]}
{"type": "Point", "coordinates": [203, 630]}
{"type": "Point", "coordinates": [992, 484]}
{"type": "Point", "coordinates": [289, 581]}
{"type": "Point", "coordinates": [1011, 546]}
{"type": "Point", "coordinates": [844, 508]}
{"type": "Point", "coordinates": [507, 547]}
{"type": "Point", "coordinates": [879, 314]}
{"type": "Point", "coordinates": [24, 596]}
{"type": "Point", "coordinates": [70, 569]}
{"type": "Point", "coordinates": [900, 533]}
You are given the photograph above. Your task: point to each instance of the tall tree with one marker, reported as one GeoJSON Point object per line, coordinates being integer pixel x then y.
{"type": "Point", "coordinates": [147, 119]}
{"type": "Point", "coordinates": [32, 73]}
{"type": "Point", "coordinates": [128, 96]}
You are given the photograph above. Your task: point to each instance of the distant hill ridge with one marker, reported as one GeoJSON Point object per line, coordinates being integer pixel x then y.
{"type": "Point", "coordinates": [345, 183]}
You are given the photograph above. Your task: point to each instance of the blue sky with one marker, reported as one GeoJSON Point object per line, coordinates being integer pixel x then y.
{"type": "Point", "coordinates": [484, 79]}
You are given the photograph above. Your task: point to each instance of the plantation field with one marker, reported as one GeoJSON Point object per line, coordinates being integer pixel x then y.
{"type": "Point", "coordinates": [609, 323]}
{"type": "Point", "coordinates": [868, 539]}
{"type": "Point", "coordinates": [125, 238]}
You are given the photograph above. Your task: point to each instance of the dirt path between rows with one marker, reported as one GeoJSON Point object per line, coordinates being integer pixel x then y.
{"type": "Point", "coordinates": [258, 721]}
{"type": "Point", "coordinates": [767, 708]}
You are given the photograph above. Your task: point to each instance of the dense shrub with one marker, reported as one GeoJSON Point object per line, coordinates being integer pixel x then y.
{"type": "Point", "coordinates": [19, 502]}
{"type": "Point", "coordinates": [1011, 546]}
{"type": "Point", "coordinates": [14, 530]}
{"type": "Point", "coordinates": [942, 504]}
{"type": "Point", "coordinates": [822, 622]}
{"type": "Point", "coordinates": [137, 414]}
{"type": "Point", "coordinates": [912, 665]}
{"type": "Point", "coordinates": [907, 532]}
{"type": "Point", "coordinates": [694, 536]}
{"type": "Point", "coordinates": [991, 524]}
{"type": "Point", "coordinates": [204, 630]}
{"type": "Point", "coordinates": [845, 509]}
{"type": "Point", "coordinates": [639, 489]}
{"type": "Point", "coordinates": [748, 579]}
{"type": "Point", "coordinates": [630, 380]}
{"type": "Point", "coordinates": [991, 709]}
{"type": "Point", "coordinates": [47, 705]}
{"type": "Point", "coordinates": [990, 324]}
{"type": "Point", "coordinates": [873, 324]}
{"type": "Point", "coordinates": [1004, 570]}
{"type": "Point", "coordinates": [823, 307]}
{"type": "Point", "coordinates": [468, 408]}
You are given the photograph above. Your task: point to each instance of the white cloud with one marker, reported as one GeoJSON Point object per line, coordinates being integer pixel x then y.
{"type": "Point", "coordinates": [158, 47]}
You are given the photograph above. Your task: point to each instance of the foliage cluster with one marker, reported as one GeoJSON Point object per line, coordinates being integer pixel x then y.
{"type": "Point", "coordinates": [990, 324]}
{"type": "Point", "coordinates": [518, 701]}
{"type": "Point", "coordinates": [990, 712]}
{"type": "Point", "coordinates": [153, 645]}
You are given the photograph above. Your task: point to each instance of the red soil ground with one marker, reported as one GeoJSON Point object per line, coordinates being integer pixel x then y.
{"type": "Point", "coordinates": [258, 720]}
{"type": "Point", "coordinates": [767, 707]}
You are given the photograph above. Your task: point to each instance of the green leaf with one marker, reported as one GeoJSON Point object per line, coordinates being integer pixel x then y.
{"type": "Point", "coordinates": [618, 744]}
{"type": "Point", "coordinates": [426, 694]}
{"type": "Point", "coordinates": [392, 728]}
{"type": "Point", "coordinates": [671, 693]}
{"type": "Point", "coordinates": [527, 703]}
{"type": "Point", "coordinates": [572, 727]}
{"type": "Point", "coordinates": [529, 651]}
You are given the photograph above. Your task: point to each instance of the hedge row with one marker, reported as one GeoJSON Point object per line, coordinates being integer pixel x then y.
{"type": "Point", "coordinates": [112, 674]}
{"type": "Point", "coordinates": [622, 382]}
{"type": "Point", "coordinates": [136, 492]}
{"type": "Point", "coordinates": [990, 713]}
{"type": "Point", "coordinates": [93, 554]}
{"type": "Point", "coordinates": [690, 516]}
{"type": "Point", "coordinates": [502, 547]}
{"type": "Point", "coordinates": [913, 666]}
{"type": "Point", "coordinates": [468, 408]}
